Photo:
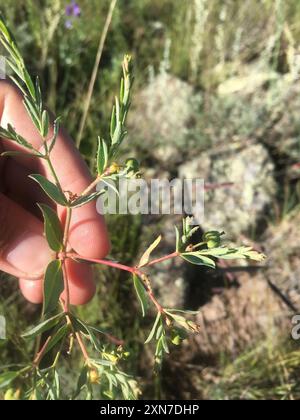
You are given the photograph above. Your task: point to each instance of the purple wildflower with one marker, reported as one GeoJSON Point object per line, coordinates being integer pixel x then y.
{"type": "Point", "coordinates": [73, 9]}
{"type": "Point", "coordinates": [68, 24]}
{"type": "Point", "coordinates": [69, 10]}
{"type": "Point", "coordinates": [76, 10]}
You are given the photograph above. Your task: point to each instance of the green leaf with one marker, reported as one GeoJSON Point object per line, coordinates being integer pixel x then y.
{"type": "Point", "coordinates": [110, 185]}
{"type": "Point", "coordinates": [45, 124]}
{"type": "Point", "coordinates": [102, 156]}
{"type": "Point", "coordinates": [32, 111]}
{"type": "Point", "coordinates": [234, 253]}
{"type": "Point", "coordinates": [82, 201]}
{"type": "Point", "coordinates": [50, 189]}
{"type": "Point", "coordinates": [81, 326]}
{"type": "Point", "coordinates": [165, 344]}
{"type": "Point", "coordinates": [82, 381]}
{"type": "Point", "coordinates": [11, 134]}
{"type": "Point", "coordinates": [178, 239]}
{"type": "Point", "coordinates": [7, 378]}
{"type": "Point", "coordinates": [29, 83]}
{"type": "Point", "coordinates": [154, 328]}
{"type": "Point", "coordinates": [53, 229]}
{"type": "Point", "coordinates": [183, 311]}
{"type": "Point", "coordinates": [15, 68]}
{"type": "Point", "coordinates": [198, 259]}
{"type": "Point", "coordinates": [56, 126]}
{"type": "Point", "coordinates": [43, 326]}
{"type": "Point", "coordinates": [38, 92]}
{"type": "Point", "coordinates": [60, 334]}
{"type": "Point", "coordinates": [53, 286]}
{"type": "Point", "coordinates": [24, 154]}
{"type": "Point", "coordinates": [146, 257]}
{"type": "Point", "coordinates": [113, 122]}
{"type": "Point", "coordinates": [141, 293]}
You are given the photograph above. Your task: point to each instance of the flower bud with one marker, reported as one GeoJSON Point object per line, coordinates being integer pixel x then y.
{"type": "Point", "coordinates": [94, 376]}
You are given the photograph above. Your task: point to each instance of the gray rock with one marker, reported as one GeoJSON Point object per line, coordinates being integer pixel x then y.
{"type": "Point", "coordinates": [163, 114]}
{"type": "Point", "coordinates": [282, 247]}
{"type": "Point", "coordinates": [236, 208]}
{"type": "Point", "coordinates": [240, 317]}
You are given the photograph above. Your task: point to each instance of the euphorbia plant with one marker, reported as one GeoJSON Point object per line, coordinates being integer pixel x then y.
{"type": "Point", "coordinates": [59, 325]}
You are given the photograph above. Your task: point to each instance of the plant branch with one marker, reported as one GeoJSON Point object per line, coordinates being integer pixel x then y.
{"type": "Point", "coordinates": [67, 288]}
{"type": "Point", "coordinates": [53, 173]}
{"type": "Point", "coordinates": [108, 263]}
{"type": "Point", "coordinates": [132, 270]}
{"type": "Point", "coordinates": [82, 347]}
{"type": "Point", "coordinates": [41, 353]}
{"type": "Point", "coordinates": [162, 259]}
{"type": "Point", "coordinates": [92, 186]}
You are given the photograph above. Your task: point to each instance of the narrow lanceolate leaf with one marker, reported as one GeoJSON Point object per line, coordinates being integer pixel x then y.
{"type": "Point", "coordinates": [53, 286]}
{"type": "Point", "coordinates": [82, 201]}
{"type": "Point", "coordinates": [24, 154]}
{"type": "Point", "coordinates": [53, 229]}
{"type": "Point", "coordinates": [57, 337]}
{"type": "Point", "coordinates": [197, 259]}
{"type": "Point", "coordinates": [102, 156]}
{"type": "Point", "coordinates": [154, 328]}
{"type": "Point", "coordinates": [32, 111]}
{"type": "Point", "coordinates": [56, 126]}
{"type": "Point", "coordinates": [45, 123]}
{"type": "Point", "coordinates": [50, 189]}
{"type": "Point", "coordinates": [87, 330]}
{"type": "Point", "coordinates": [178, 239]}
{"type": "Point", "coordinates": [141, 293]}
{"type": "Point", "coordinates": [7, 378]}
{"type": "Point", "coordinates": [234, 253]}
{"type": "Point", "coordinates": [10, 134]}
{"type": "Point", "coordinates": [43, 326]}
{"type": "Point", "coordinates": [146, 257]}
{"type": "Point", "coordinates": [82, 381]}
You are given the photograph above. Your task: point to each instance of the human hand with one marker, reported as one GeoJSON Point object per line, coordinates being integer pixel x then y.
{"type": "Point", "coordinates": [24, 252]}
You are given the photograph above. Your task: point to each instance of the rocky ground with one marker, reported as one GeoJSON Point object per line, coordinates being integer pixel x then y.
{"type": "Point", "coordinates": [238, 305]}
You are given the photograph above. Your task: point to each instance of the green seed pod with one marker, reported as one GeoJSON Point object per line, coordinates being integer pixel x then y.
{"type": "Point", "coordinates": [213, 239]}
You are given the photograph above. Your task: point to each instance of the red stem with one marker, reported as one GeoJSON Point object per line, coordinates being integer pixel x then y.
{"type": "Point", "coordinates": [40, 354]}
{"type": "Point", "coordinates": [167, 257]}
{"type": "Point", "coordinates": [82, 346]}
{"type": "Point", "coordinates": [103, 262]}
{"type": "Point", "coordinates": [132, 270]}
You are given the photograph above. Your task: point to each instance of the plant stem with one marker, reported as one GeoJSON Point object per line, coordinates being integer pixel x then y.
{"type": "Point", "coordinates": [108, 263]}
{"type": "Point", "coordinates": [67, 288]}
{"type": "Point", "coordinates": [91, 186]}
{"type": "Point", "coordinates": [95, 70]}
{"type": "Point", "coordinates": [41, 353]}
{"type": "Point", "coordinates": [162, 259]}
{"type": "Point", "coordinates": [67, 228]}
{"type": "Point", "coordinates": [65, 246]}
{"type": "Point", "coordinates": [53, 173]}
{"type": "Point", "coordinates": [132, 270]}
{"type": "Point", "coordinates": [82, 347]}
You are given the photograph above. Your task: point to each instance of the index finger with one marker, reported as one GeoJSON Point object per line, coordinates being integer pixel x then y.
{"type": "Point", "coordinates": [88, 234]}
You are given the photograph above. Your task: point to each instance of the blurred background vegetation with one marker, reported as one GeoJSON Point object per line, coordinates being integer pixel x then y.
{"type": "Point", "coordinates": [216, 95]}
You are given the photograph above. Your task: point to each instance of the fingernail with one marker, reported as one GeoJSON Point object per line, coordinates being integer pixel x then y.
{"type": "Point", "coordinates": [30, 254]}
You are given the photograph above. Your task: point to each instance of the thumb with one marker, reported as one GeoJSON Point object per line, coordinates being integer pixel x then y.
{"type": "Point", "coordinates": [24, 251]}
